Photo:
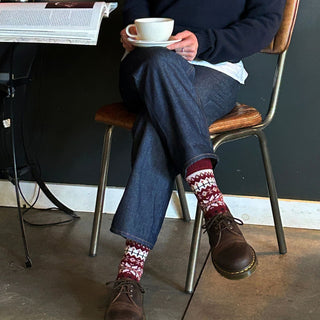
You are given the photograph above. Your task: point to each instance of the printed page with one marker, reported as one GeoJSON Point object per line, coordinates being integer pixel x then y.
{"type": "Point", "coordinates": [53, 22]}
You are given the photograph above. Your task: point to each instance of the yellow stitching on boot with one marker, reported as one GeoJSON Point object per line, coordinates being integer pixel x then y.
{"type": "Point", "coordinates": [243, 270]}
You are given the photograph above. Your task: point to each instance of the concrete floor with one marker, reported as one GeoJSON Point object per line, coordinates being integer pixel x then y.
{"type": "Point", "coordinates": [284, 287]}
{"type": "Point", "coordinates": [65, 283]}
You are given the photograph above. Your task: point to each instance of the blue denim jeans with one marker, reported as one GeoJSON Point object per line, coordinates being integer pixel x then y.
{"type": "Point", "coordinates": [175, 102]}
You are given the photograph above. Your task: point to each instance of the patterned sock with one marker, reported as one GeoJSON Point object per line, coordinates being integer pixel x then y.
{"type": "Point", "coordinates": [132, 263]}
{"type": "Point", "coordinates": [201, 179]}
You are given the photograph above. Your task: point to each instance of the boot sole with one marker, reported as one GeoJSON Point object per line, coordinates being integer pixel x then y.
{"type": "Point", "coordinates": [241, 274]}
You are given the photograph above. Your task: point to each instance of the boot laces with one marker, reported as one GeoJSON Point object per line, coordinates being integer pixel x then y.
{"type": "Point", "coordinates": [221, 222]}
{"type": "Point", "coordinates": [125, 286]}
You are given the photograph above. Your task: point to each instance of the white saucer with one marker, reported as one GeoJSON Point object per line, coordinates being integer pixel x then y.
{"type": "Point", "coordinates": [143, 43]}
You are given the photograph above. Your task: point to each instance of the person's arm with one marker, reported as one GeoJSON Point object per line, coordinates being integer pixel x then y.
{"type": "Point", "coordinates": [241, 39]}
{"type": "Point", "coordinates": [134, 9]}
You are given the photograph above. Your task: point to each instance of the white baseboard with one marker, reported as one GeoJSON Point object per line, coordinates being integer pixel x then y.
{"type": "Point", "coordinates": [252, 210]}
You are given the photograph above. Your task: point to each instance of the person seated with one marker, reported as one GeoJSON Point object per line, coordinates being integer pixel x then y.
{"type": "Point", "coordinates": [176, 92]}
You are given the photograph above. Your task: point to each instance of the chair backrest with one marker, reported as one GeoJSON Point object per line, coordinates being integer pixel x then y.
{"type": "Point", "coordinates": [279, 45]}
{"type": "Point", "coordinates": [281, 41]}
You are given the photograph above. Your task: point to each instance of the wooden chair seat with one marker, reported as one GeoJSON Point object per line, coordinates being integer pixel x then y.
{"type": "Point", "coordinates": [116, 114]}
{"type": "Point", "coordinates": [241, 116]}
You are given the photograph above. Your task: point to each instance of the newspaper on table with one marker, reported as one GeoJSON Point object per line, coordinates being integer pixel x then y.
{"type": "Point", "coordinates": [53, 22]}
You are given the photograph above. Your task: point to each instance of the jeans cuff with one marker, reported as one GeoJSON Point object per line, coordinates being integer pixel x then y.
{"type": "Point", "coordinates": [129, 236]}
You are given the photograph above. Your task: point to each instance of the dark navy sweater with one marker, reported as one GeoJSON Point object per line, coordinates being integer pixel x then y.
{"type": "Point", "coordinates": [227, 30]}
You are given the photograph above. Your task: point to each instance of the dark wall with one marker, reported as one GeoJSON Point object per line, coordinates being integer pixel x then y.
{"type": "Point", "coordinates": [72, 82]}
{"type": "Point", "coordinates": [294, 135]}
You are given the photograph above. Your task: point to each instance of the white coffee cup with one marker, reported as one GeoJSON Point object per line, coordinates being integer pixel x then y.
{"type": "Point", "coordinates": [151, 29]}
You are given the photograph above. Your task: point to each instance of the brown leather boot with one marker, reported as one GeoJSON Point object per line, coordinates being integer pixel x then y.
{"type": "Point", "coordinates": [127, 303]}
{"type": "Point", "coordinates": [231, 255]}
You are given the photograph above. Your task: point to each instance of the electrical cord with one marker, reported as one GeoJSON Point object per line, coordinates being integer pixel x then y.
{"type": "Point", "coordinates": [28, 262]}
{"type": "Point", "coordinates": [49, 224]}
{"type": "Point", "coordinates": [31, 207]}
{"type": "Point", "coordinates": [15, 180]}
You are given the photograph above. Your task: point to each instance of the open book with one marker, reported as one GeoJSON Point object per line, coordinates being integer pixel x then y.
{"type": "Point", "coordinates": [53, 22]}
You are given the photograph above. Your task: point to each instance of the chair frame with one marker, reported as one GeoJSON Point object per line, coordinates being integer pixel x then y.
{"type": "Point", "coordinates": [219, 139]}
{"type": "Point", "coordinates": [105, 160]}
{"type": "Point", "coordinates": [278, 46]}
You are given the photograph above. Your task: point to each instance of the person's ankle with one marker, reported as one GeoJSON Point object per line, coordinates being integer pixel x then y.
{"type": "Point", "coordinates": [212, 213]}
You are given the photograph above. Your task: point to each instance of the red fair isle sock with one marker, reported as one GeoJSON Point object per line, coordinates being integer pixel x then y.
{"type": "Point", "coordinates": [201, 179]}
{"type": "Point", "coordinates": [132, 263]}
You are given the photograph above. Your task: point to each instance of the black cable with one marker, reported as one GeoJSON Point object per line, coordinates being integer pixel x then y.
{"type": "Point", "coordinates": [4, 93]}
{"type": "Point", "coordinates": [31, 207]}
{"type": "Point", "coordinates": [23, 111]}
{"type": "Point", "coordinates": [35, 167]}
{"type": "Point", "coordinates": [25, 200]}
{"type": "Point", "coordinates": [49, 224]}
{"type": "Point", "coordinates": [28, 262]}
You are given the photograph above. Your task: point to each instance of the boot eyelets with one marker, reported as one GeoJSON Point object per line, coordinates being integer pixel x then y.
{"type": "Point", "coordinates": [133, 293]}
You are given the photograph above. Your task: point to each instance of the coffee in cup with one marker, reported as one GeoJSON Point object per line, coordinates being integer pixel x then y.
{"type": "Point", "coordinates": [151, 29]}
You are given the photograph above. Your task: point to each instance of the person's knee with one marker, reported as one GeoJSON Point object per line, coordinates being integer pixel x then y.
{"type": "Point", "coordinates": [155, 54]}
{"type": "Point", "coordinates": [153, 57]}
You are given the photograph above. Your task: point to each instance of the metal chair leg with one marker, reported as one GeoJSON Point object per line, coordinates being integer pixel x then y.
{"type": "Point", "coordinates": [194, 250]}
{"type": "Point", "coordinates": [101, 192]}
{"type": "Point", "coordinates": [272, 193]}
{"type": "Point", "coordinates": [182, 198]}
